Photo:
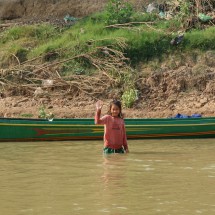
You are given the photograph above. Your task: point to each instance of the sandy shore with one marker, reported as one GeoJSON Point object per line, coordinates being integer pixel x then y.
{"type": "Point", "coordinates": [21, 107]}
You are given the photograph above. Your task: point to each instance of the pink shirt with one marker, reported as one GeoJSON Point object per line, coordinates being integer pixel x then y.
{"type": "Point", "coordinates": [114, 131]}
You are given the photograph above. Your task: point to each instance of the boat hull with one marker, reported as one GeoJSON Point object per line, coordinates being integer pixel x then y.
{"type": "Point", "coordinates": [12, 130]}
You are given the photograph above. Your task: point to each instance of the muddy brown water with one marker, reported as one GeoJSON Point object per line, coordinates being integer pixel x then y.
{"type": "Point", "coordinates": [64, 178]}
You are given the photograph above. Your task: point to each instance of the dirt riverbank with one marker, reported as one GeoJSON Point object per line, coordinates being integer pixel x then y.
{"type": "Point", "coordinates": [188, 88]}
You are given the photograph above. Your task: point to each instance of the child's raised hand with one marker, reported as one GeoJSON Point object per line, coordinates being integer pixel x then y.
{"type": "Point", "coordinates": [99, 105]}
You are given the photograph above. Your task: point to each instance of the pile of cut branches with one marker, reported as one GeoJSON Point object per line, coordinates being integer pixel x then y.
{"type": "Point", "coordinates": [33, 78]}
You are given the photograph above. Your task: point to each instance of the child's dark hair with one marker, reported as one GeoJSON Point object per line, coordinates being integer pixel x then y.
{"type": "Point", "coordinates": [119, 105]}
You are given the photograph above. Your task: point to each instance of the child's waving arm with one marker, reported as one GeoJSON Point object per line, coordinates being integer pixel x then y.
{"type": "Point", "coordinates": [99, 105]}
{"type": "Point", "coordinates": [98, 119]}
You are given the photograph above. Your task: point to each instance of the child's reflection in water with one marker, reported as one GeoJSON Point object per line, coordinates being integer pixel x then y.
{"type": "Point", "coordinates": [115, 169]}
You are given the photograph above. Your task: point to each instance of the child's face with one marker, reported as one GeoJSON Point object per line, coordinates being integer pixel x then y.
{"type": "Point", "coordinates": [115, 110]}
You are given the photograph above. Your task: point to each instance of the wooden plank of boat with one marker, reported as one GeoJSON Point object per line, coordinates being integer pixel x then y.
{"type": "Point", "coordinates": [84, 129]}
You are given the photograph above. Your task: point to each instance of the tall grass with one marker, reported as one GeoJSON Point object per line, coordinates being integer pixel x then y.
{"type": "Point", "coordinates": [203, 40]}
{"type": "Point", "coordinates": [24, 39]}
{"type": "Point", "coordinates": [39, 32]}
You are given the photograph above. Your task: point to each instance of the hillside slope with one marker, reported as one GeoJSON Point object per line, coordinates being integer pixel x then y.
{"type": "Point", "coordinates": [13, 9]}
{"type": "Point", "coordinates": [44, 8]}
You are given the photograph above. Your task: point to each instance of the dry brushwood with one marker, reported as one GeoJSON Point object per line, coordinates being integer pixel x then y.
{"type": "Point", "coordinates": [131, 25]}
{"type": "Point", "coordinates": [106, 59]}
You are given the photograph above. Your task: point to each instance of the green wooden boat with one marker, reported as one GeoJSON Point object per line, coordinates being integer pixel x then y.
{"type": "Point", "coordinates": [12, 130]}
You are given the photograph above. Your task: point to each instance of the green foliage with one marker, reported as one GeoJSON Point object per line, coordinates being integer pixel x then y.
{"type": "Point", "coordinates": [43, 114]}
{"type": "Point", "coordinates": [127, 80]}
{"type": "Point", "coordinates": [143, 42]}
{"type": "Point", "coordinates": [99, 17]}
{"type": "Point", "coordinates": [129, 97]}
{"type": "Point", "coordinates": [172, 25]}
{"type": "Point", "coordinates": [147, 45]}
{"type": "Point", "coordinates": [186, 12]}
{"type": "Point", "coordinates": [203, 40]}
{"type": "Point", "coordinates": [22, 40]}
{"type": "Point", "coordinates": [29, 31]}
{"type": "Point", "coordinates": [144, 17]}
{"type": "Point", "coordinates": [118, 12]}
{"type": "Point", "coordinates": [185, 6]}
{"type": "Point", "coordinates": [26, 115]}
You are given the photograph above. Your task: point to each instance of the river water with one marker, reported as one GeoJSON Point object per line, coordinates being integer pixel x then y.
{"type": "Point", "coordinates": [158, 177]}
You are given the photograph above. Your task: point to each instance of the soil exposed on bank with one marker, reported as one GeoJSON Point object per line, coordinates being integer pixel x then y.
{"type": "Point", "coordinates": [189, 88]}
{"type": "Point", "coordinates": [22, 107]}
{"type": "Point", "coordinates": [40, 9]}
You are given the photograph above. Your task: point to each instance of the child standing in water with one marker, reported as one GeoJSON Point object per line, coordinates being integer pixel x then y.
{"type": "Point", "coordinates": [115, 140]}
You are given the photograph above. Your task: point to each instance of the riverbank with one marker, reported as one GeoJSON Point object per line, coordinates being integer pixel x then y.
{"type": "Point", "coordinates": [22, 107]}
{"type": "Point", "coordinates": [178, 85]}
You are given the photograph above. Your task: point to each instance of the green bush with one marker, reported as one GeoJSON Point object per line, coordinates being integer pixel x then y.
{"type": "Point", "coordinates": [26, 31]}
{"type": "Point", "coordinates": [147, 45]}
{"type": "Point", "coordinates": [144, 17]}
{"type": "Point", "coordinates": [118, 12]}
{"type": "Point", "coordinates": [129, 97]}
{"type": "Point", "coordinates": [43, 114]}
{"type": "Point", "coordinates": [203, 40]}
